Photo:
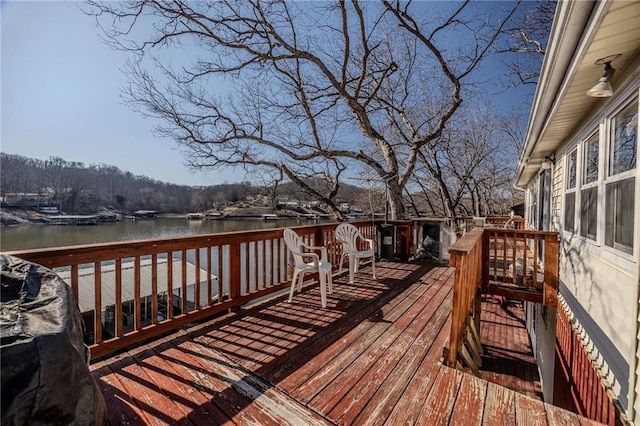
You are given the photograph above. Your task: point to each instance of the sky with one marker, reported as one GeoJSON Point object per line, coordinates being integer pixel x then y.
{"type": "Point", "coordinates": [60, 90]}
{"type": "Point", "coordinates": [60, 97]}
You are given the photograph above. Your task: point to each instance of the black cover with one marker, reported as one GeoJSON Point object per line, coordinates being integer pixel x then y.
{"type": "Point", "coordinates": [45, 376]}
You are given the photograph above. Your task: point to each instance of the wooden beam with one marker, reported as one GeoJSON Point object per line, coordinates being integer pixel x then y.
{"type": "Point", "coordinates": [515, 293]}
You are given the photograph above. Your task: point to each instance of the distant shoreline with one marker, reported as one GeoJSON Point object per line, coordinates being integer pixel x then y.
{"type": "Point", "coordinates": [15, 217]}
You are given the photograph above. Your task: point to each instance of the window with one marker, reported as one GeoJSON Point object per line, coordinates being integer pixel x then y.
{"type": "Point", "coordinates": [545, 197]}
{"type": "Point", "coordinates": [589, 189]}
{"type": "Point", "coordinates": [572, 169]}
{"type": "Point", "coordinates": [620, 185]}
{"type": "Point", "coordinates": [569, 211]}
{"type": "Point", "coordinates": [624, 140]}
{"type": "Point", "coordinates": [620, 207]}
{"type": "Point", "coordinates": [592, 148]}
{"type": "Point", "coordinates": [589, 212]}
{"type": "Point", "coordinates": [570, 195]}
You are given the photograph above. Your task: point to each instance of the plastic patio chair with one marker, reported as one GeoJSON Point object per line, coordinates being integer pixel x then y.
{"type": "Point", "coordinates": [348, 235]}
{"type": "Point", "coordinates": [307, 261]}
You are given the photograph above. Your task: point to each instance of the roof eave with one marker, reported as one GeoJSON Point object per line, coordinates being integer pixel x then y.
{"type": "Point", "coordinates": [571, 19]}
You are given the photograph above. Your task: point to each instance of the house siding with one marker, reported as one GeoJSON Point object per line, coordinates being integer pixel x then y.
{"type": "Point", "coordinates": [600, 286]}
{"type": "Point", "coordinates": [603, 289]}
{"type": "Point", "coordinates": [599, 270]}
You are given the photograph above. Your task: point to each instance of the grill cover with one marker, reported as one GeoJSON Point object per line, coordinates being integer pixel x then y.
{"type": "Point", "coordinates": [45, 376]}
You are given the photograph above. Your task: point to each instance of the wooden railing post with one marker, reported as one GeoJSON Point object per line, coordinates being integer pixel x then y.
{"type": "Point", "coordinates": [466, 258]}
{"type": "Point", "coordinates": [458, 314]}
{"type": "Point", "coordinates": [137, 305]}
{"type": "Point", "coordinates": [404, 241]}
{"type": "Point", "coordinates": [550, 290]}
{"type": "Point", "coordinates": [97, 327]}
{"type": "Point", "coordinates": [485, 260]}
{"type": "Point", "coordinates": [318, 237]}
{"type": "Point", "coordinates": [235, 271]}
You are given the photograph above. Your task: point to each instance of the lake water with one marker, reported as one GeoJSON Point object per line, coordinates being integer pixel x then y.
{"type": "Point", "coordinates": [30, 236]}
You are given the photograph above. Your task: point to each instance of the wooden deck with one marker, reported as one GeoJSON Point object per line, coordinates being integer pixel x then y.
{"type": "Point", "coordinates": [371, 357]}
{"type": "Point", "coordinates": [508, 355]}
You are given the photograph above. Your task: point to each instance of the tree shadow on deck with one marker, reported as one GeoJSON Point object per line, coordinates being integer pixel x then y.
{"type": "Point", "coordinates": [233, 368]}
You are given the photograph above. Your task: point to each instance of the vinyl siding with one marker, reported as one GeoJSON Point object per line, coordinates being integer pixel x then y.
{"type": "Point", "coordinates": [602, 287]}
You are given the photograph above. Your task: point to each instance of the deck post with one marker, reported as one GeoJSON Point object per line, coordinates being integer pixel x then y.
{"type": "Point", "coordinates": [235, 272]}
{"type": "Point", "coordinates": [485, 261]}
{"type": "Point", "coordinates": [458, 315]}
{"type": "Point", "coordinates": [550, 291]}
{"type": "Point", "coordinates": [318, 237]}
{"type": "Point", "coordinates": [466, 258]}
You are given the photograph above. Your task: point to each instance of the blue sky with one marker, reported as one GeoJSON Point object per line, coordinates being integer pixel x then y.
{"type": "Point", "coordinates": [61, 97]}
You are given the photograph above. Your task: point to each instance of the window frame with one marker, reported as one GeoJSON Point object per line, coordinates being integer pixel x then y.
{"type": "Point", "coordinates": [570, 191]}
{"type": "Point", "coordinates": [587, 187]}
{"type": "Point", "coordinates": [611, 178]}
{"type": "Point", "coordinates": [616, 244]}
{"type": "Point", "coordinates": [611, 141]}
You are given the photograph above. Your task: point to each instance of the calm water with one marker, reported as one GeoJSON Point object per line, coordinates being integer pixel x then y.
{"type": "Point", "coordinates": [22, 237]}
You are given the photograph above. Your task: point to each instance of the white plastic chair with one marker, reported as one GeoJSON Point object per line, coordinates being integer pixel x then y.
{"type": "Point", "coordinates": [302, 265]}
{"type": "Point", "coordinates": [348, 235]}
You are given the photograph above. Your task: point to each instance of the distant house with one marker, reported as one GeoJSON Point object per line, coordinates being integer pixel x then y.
{"type": "Point", "coordinates": [146, 214]}
{"type": "Point", "coordinates": [24, 199]}
{"type": "Point", "coordinates": [74, 219]}
{"type": "Point", "coordinates": [50, 210]}
{"type": "Point", "coordinates": [580, 172]}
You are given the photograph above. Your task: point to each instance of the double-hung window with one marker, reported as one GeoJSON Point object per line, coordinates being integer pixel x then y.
{"type": "Point", "coordinates": [570, 191]}
{"type": "Point", "coordinates": [589, 188]}
{"type": "Point", "coordinates": [620, 182]}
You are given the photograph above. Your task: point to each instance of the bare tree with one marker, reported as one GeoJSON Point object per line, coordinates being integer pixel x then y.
{"type": "Point", "coordinates": [304, 89]}
{"type": "Point", "coordinates": [514, 127]}
{"type": "Point", "coordinates": [469, 168]}
{"type": "Point", "coordinates": [66, 182]}
{"type": "Point", "coordinates": [17, 175]}
{"type": "Point", "coordinates": [523, 50]}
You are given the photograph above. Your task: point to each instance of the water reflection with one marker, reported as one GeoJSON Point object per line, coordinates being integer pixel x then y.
{"type": "Point", "coordinates": [24, 237]}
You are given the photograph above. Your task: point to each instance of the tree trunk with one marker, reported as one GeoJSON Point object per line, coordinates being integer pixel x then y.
{"type": "Point", "coordinates": [396, 202]}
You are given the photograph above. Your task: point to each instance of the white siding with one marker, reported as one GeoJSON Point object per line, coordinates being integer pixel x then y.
{"type": "Point", "coordinates": [604, 289]}
{"type": "Point", "coordinates": [606, 293]}
{"type": "Point", "coordinates": [556, 195]}
{"type": "Point", "coordinates": [602, 283]}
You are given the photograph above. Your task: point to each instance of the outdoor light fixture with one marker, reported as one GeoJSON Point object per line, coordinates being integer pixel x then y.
{"type": "Point", "coordinates": [547, 162]}
{"type": "Point", "coordinates": [603, 88]}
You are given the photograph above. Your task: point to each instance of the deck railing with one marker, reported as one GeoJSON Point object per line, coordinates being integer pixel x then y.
{"type": "Point", "coordinates": [466, 257]}
{"type": "Point", "coordinates": [145, 288]}
{"type": "Point", "coordinates": [506, 222]}
{"type": "Point", "coordinates": [522, 264]}
{"type": "Point", "coordinates": [579, 385]}
{"type": "Point", "coordinates": [463, 224]}
{"type": "Point", "coordinates": [518, 264]}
